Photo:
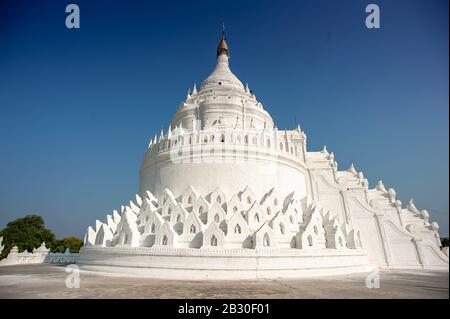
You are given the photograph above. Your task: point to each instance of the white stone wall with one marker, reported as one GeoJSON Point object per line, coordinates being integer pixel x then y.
{"type": "Point", "coordinates": [331, 209]}
{"type": "Point", "coordinates": [226, 157]}
{"type": "Point", "coordinates": [38, 256]}
{"type": "Point", "coordinates": [231, 175]}
{"type": "Point", "coordinates": [394, 236]}
{"type": "Point", "coordinates": [61, 258]}
{"type": "Point", "coordinates": [35, 257]}
{"type": "Point", "coordinates": [217, 221]}
{"type": "Point", "coordinates": [222, 263]}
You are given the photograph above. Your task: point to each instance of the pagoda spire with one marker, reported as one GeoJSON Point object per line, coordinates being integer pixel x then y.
{"type": "Point", "coordinates": [223, 46]}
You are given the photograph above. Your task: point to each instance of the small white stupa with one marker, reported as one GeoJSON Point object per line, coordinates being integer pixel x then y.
{"type": "Point", "coordinates": [225, 194]}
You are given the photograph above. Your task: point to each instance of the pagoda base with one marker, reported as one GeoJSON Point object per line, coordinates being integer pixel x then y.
{"type": "Point", "coordinates": [221, 264]}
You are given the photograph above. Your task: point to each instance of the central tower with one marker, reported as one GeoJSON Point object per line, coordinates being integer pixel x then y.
{"type": "Point", "coordinates": [222, 137]}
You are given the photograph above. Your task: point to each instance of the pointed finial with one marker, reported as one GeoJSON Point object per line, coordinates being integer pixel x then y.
{"type": "Point", "coordinates": [412, 206]}
{"type": "Point", "coordinates": [425, 214]}
{"type": "Point", "coordinates": [352, 169]}
{"type": "Point", "coordinates": [380, 186]}
{"type": "Point", "coordinates": [138, 200]}
{"type": "Point", "coordinates": [324, 149]}
{"type": "Point", "coordinates": [223, 46]}
{"type": "Point", "coordinates": [411, 202]}
{"type": "Point", "coordinates": [194, 90]}
{"type": "Point", "coordinates": [295, 121]}
{"type": "Point", "coordinates": [335, 165]}
{"type": "Point", "coordinates": [435, 226]}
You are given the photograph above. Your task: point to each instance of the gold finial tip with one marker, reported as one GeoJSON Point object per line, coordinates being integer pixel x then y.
{"type": "Point", "coordinates": [223, 46]}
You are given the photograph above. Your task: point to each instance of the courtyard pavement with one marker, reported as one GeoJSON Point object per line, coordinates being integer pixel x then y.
{"type": "Point", "coordinates": [49, 281]}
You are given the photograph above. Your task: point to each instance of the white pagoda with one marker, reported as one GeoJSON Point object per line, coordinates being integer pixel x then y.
{"type": "Point", "coordinates": [224, 194]}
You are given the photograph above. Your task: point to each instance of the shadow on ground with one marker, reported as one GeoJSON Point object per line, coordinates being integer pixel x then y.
{"type": "Point", "coordinates": [49, 281]}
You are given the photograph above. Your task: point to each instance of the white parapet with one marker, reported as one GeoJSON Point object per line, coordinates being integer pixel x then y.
{"type": "Point", "coordinates": [39, 255]}
{"type": "Point", "coordinates": [223, 264]}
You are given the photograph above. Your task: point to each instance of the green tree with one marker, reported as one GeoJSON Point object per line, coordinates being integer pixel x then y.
{"type": "Point", "coordinates": [26, 233]}
{"type": "Point", "coordinates": [73, 243]}
{"type": "Point", "coordinates": [444, 242]}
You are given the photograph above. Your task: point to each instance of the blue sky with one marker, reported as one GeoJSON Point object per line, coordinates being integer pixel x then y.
{"type": "Point", "coordinates": [78, 107]}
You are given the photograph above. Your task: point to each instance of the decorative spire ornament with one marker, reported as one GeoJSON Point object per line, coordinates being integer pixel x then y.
{"type": "Point", "coordinates": [352, 169]}
{"type": "Point", "coordinates": [223, 46]}
{"type": "Point", "coordinates": [380, 186]}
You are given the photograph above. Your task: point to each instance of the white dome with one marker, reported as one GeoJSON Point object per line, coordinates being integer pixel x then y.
{"type": "Point", "coordinates": [222, 76]}
{"type": "Point", "coordinates": [222, 101]}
